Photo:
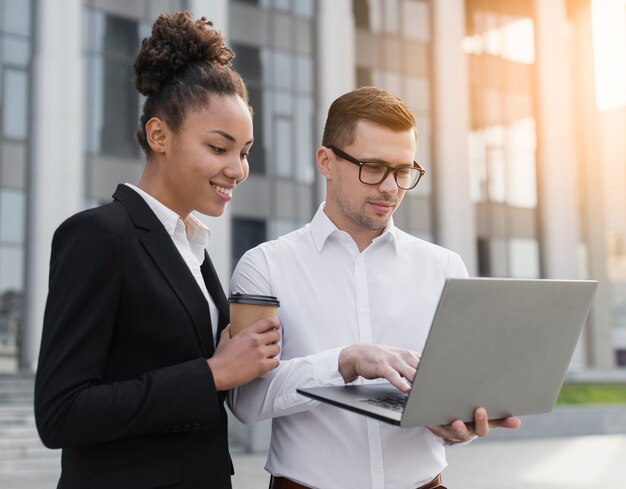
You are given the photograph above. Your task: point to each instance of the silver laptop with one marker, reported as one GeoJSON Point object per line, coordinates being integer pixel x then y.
{"type": "Point", "coordinates": [503, 344]}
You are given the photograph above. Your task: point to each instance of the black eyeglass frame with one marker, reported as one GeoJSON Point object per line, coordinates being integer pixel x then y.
{"type": "Point", "coordinates": [345, 156]}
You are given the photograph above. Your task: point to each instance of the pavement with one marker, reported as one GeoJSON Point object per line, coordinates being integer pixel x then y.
{"type": "Point", "coordinates": [578, 462]}
{"type": "Point", "coordinates": [582, 462]}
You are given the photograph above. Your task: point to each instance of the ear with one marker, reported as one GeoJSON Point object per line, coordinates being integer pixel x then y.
{"type": "Point", "coordinates": [325, 160]}
{"type": "Point", "coordinates": [157, 134]}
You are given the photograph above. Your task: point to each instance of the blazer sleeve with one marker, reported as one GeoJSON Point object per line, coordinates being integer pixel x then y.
{"type": "Point", "coordinates": [73, 405]}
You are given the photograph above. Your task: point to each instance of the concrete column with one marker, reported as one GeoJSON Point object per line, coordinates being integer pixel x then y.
{"type": "Point", "coordinates": [56, 174]}
{"type": "Point", "coordinates": [556, 156]}
{"type": "Point", "coordinates": [336, 64]}
{"type": "Point", "coordinates": [219, 247]}
{"type": "Point", "coordinates": [455, 226]}
{"type": "Point", "coordinates": [599, 351]}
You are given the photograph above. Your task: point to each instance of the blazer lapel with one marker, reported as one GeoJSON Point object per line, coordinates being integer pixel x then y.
{"type": "Point", "coordinates": [163, 251]}
{"type": "Point", "coordinates": [214, 287]}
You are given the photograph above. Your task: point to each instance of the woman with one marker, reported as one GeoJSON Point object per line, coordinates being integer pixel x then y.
{"type": "Point", "coordinates": [130, 381]}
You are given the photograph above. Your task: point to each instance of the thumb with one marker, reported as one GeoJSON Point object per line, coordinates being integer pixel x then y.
{"type": "Point", "coordinates": [224, 337]}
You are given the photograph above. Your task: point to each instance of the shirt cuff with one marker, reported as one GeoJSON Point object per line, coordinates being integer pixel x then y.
{"type": "Point", "coordinates": [326, 367]}
{"type": "Point", "coordinates": [446, 443]}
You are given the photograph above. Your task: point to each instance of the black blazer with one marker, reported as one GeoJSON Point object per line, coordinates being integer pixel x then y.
{"type": "Point", "coordinates": [122, 383]}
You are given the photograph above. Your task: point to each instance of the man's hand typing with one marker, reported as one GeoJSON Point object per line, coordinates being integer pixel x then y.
{"type": "Point", "coordinates": [379, 361]}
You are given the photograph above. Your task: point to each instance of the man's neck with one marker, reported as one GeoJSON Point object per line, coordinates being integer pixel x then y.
{"type": "Point", "coordinates": [361, 236]}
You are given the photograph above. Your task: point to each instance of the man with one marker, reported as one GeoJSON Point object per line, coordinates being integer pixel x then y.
{"type": "Point", "coordinates": [357, 299]}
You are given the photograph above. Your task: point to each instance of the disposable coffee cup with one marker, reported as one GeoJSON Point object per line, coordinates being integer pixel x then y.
{"type": "Point", "coordinates": [245, 309]}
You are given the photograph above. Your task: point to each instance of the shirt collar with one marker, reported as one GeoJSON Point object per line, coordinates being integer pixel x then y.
{"type": "Point", "coordinates": [322, 228]}
{"type": "Point", "coordinates": [196, 231]}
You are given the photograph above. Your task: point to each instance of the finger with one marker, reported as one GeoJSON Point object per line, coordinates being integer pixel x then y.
{"type": "Point", "coordinates": [272, 350]}
{"type": "Point", "coordinates": [406, 371]}
{"type": "Point", "coordinates": [394, 377]}
{"type": "Point", "coordinates": [225, 334]}
{"type": "Point", "coordinates": [481, 422]}
{"type": "Point", "coordinates": [437, 430]}
{"type": "Point", "coordinates": [460, 430]}
{"type": "Point", "coordinates": [412, 358]}
{"type": "Point", "coordinates": [265, 324]}
{"type": "Point", "coordinates": [512, 422]}
{"type": "Point", "coordinates": [270, 337]}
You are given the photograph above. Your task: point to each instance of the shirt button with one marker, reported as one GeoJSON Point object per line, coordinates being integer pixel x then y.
{"type": "Point", "coordinates": [376, 468]}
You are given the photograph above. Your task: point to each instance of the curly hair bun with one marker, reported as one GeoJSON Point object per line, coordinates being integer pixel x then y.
{"type": "Point", "coordinates": [176, 42]}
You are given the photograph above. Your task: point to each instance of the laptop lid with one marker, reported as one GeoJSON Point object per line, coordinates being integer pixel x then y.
{"type": "Point", "coordinates": [504, 344]}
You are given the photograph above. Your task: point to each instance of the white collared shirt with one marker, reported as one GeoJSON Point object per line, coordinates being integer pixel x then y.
{"type": "Point", "coordinates": [331, 296]}
{"type": "Point", "coordinates": [191, 238]}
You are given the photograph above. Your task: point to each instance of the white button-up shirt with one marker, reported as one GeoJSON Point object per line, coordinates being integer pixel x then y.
{"type": "Point", "coordinates": [191, 238]}
{"type": "Point", "coordinates": [331, 295]}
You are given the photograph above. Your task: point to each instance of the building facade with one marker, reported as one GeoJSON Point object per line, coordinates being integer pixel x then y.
{"type": "Point", "coordinates": [502, 94]}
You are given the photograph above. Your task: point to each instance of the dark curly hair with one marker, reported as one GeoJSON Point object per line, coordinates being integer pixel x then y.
{"type": "Point", "coordinates": [178, 66]}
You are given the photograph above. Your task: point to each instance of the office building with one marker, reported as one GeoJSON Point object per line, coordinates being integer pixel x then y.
{"type": "Point", "coordinates": [521, 179]}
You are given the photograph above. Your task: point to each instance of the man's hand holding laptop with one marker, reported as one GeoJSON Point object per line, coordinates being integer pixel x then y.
{"type": "Point", "coordinates": [398, 366]}
{"type": "Point", "coordinates": [459, 432]}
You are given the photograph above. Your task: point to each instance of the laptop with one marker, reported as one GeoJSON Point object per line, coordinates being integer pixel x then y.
{"type": "Point", "coordinates": [503, 344]}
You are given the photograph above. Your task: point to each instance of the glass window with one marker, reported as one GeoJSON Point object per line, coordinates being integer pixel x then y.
{"type": "Point", "coordinates": [392, 15]}
{"type": "Point", "coordinates": [11, 269]}
{"type": "Point", "coordinates": [304, 74]}
{"type": "Point", "coordinates": [478, 168]}
{"type": "Point", "coordinates": [417, 93]}
{"type": "Point", "coordinates": [15, 51]}
{"type": "Point", "coordinates": [112, 103]}
{"type": "Point", "coordinates": [423, 155]}
{"type": "Point", "coordinates": [94, 94]}
{"type": "Point", "coordinates": [257, 154]}
{"type": "Point", "coordinates": [368, 14]}
{"type": "Point", "coordinates": [278, 79]}
{"type": "Point", "coordinates": [283, 147]}
{"type": "Point", "coordinates": [283, 103]}
{"type": "Point", "coordinates": [393, 83]}
{"type": "Point", "coordinates": [305, 157]}
{"type": "Point", "coordinates": [363, 77]}
{"type": "Point", "coordinates": [280, 227]}
{"type": "Point", "coordinates": [12, 216]}
{"type": "Point", "coordinates": [15, 16]}
{"type": "Point", "coordinates": [522, 178]}
{"type": "Point", "coordinates": [524, 258]}
{"type": "Point", "coordinates": [498, 255]}
{"type": "Point", "coordinates": [246, 234]}
{"type": "Point", "coordinates": [496, 171]}
{"type": "Point", "coordinates": [15, 98]}
{"type": "Point", "coordinates": [416, 20]}
{"type": "Point", "coordinates": [282, 5]}
{"type": "Point", "coordinates": [361, 12]}
{"type": "Point", "coordinates": [484, 261]}
{"type": "Point", "coordinates": [248, 62]}
{"type": "Point", "coordinates": [283, 72]}
{"type": "Point", "coordinates": [121, 36]}
{"type": "Point", "coordinates": [95, 21]}
{"type": "Point", "coordinates": [267, 63]}
{"type": "Point", "coordinates": [304, 8]}
{"type": "Point", "coordinates": [119, 111]}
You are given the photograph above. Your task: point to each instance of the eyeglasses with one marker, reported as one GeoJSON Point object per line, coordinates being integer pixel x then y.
{"type": "Point", "coordinates": [375, 172]}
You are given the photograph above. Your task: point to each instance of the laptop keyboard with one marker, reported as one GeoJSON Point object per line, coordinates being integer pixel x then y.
{"type": "Point", "coordinates": [395, 403]}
